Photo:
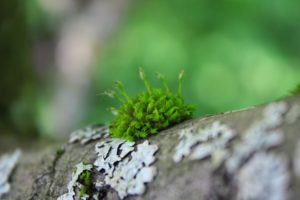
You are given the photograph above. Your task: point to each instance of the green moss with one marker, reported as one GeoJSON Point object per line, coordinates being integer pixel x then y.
{"type": "Point", "coordinates": [85, 179]}
{"type": "Point", "coordinates": [60, 152]}
{"type": "Point", "coordinates": [149, 112]}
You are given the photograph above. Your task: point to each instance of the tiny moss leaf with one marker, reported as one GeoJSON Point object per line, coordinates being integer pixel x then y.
{"type": "Point", "coordinates": [86, 180]}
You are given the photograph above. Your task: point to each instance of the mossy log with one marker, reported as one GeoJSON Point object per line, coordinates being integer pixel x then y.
{"type": "Point", "coordinates": [251, 166]}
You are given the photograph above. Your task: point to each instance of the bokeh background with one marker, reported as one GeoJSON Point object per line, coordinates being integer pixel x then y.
{"type": "Point", "coordinates": [58, 56]}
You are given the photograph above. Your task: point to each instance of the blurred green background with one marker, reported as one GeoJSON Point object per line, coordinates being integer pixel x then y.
{"type": "Point", "coordinates": [57, 56]}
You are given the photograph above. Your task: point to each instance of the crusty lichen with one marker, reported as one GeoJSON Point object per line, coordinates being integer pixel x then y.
{"type": "Point", "coordinates": [89, 133]}
{"type": "Point", "coordinates": [187, 141]}
{"type": "Point", "coordinates": [80, 168]}
{"type": "Point", "coordinates": [261, 136]}
{"type": "Point", "coordinates": [126, 170]}
{"type": "Point", "coordinates": [264, 177]}
{"type": "Point", "coordinates": [108, 154]}
{"type": "Point", "coordinates": [254, 171]}
{"type": "Point", "coordinates": [211, 141]}
{"type": "Point", "coordinates": [7, 164]}
{"type": "Point", "coordinates": [294, 114]}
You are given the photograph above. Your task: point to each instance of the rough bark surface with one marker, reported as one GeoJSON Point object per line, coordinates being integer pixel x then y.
{"type": "Point", "coordinates": [45, 173]}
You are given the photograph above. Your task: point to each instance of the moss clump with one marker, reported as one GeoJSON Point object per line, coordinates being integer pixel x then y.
{"type": "Point", "coordinates": [150, 111]}
{"type": "Point", "coordinates": [85, 179]}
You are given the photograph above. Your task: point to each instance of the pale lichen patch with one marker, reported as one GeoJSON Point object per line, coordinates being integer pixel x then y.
{"type": "Point", "coordinates": [294, 114]}
{"type": "Point", "coordinates": [85, 197]}
{"type": "Point", "coordinates": [273, 114]}
{"type": "Point", "coordinates": [253, 141]}
{"type": "Point", "coordinates": [89, 133]}
{"type": "Point", "coordinates": [80, 168]}
{"type": "Point", "coordinates": [110, 152]}
{"type": "Point", "coordinates": [211, 141]}
{"type": "Point", "coordinates": [7, 164]}
{"type": "Point", "coordinates": [265, 177]}
{"type": "Point", "coordinates": [187, 141]}
{"type": "Point", "coordinates": [126, 170]}
{"type": "Point", "coordinates": [261, 136]}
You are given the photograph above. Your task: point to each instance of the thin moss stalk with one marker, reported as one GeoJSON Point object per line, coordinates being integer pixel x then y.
{"type": "Point", "coordinates": [142, 76]}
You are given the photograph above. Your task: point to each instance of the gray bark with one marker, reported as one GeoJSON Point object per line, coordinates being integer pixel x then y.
{"type": "Point", "coordinates": [45, 173]}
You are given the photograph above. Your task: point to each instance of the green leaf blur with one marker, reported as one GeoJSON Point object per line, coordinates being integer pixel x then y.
{"type": "Point", "coordinates": [235, 54]}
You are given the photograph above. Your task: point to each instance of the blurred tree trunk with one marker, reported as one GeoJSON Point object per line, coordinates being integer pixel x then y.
{"type": "Point", "coordinates": [17, 76]}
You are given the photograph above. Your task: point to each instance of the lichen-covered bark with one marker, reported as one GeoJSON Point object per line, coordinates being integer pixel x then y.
{"type": "Point", "coordinates": [45, 173]}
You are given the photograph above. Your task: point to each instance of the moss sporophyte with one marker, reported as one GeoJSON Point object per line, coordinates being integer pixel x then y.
{"type": "Point", "coordinates": [149, 112]}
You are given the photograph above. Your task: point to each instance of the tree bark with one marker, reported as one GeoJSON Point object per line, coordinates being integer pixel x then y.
{"type": "Point", "coordinates": [45, 173]}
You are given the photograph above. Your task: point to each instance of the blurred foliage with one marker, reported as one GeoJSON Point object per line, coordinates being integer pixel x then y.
{"type": "Point", "coordinates": [235, 54]}
{"type": "Point", "coordinates": [296, 90]}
